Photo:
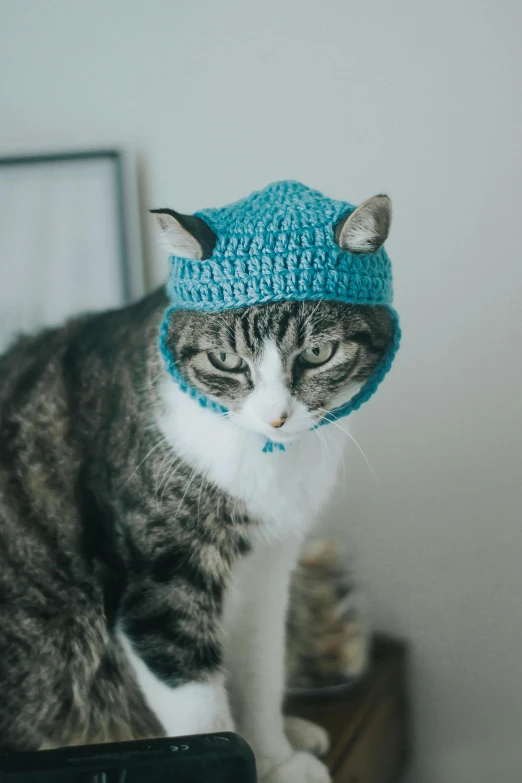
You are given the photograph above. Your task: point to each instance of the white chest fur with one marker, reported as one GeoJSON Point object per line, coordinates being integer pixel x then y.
{"type": "Point", "coordinates": [285, 489]}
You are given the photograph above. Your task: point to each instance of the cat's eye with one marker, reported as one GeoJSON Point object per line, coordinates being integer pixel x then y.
{"type": "Point", "coordinates": [320, 354]}
{"type": "Point", "coordinates": [230, 362]}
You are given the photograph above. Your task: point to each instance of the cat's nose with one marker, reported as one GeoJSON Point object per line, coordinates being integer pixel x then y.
{"type": "Point", "coordinates": [277, 423]}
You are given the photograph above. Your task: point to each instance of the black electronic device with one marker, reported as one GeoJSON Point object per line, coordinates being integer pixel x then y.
{"type": "Point", "coordinates": [203, 758]}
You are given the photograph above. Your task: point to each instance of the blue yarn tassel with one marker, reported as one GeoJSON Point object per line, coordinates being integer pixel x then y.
{"type": "Point", "coordinates": [270, 446]}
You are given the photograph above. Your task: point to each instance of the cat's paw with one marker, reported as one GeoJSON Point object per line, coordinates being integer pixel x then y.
{"type": "Point", "coordinates": [299, 768]}
{"type": "Point", "coordinates": [305, 735]}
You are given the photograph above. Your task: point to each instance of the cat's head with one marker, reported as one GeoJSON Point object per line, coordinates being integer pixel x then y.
{"type": "Point", "coordinates": [281, 367]}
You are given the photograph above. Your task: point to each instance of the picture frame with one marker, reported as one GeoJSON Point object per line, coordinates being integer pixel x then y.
{"type": "Point", "coordinates": [69, 236]}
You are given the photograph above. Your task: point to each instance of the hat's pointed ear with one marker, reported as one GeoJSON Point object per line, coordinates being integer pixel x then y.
{"type": "Point", "coordinates": [366, 228]}
{"type": "Point", "coordinates": [185, 235]}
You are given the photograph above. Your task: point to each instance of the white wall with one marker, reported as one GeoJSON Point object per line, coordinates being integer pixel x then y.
{"type": "Point", "coordinates": [421, 100]}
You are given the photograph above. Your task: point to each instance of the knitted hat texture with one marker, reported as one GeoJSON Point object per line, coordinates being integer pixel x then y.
{"type": "Point", "coordinates": [278, 244]}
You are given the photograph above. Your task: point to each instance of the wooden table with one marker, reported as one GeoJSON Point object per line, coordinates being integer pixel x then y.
{"type": "Point", "coordinates": [368, 725]}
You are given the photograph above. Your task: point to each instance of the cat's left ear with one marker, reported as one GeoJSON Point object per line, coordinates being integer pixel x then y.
{"type": "Point", "coordinates": [185, 235]}
{"type": "Point", "coordinates": [365, 230]}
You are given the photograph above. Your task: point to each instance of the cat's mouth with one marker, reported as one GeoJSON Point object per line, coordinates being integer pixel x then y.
{"type": "Point", "coordinates": [292, 434]}
{"type": "Point", "coordinates": [293, 431]}
{"type": "Point", "coordinates": [285, 435]}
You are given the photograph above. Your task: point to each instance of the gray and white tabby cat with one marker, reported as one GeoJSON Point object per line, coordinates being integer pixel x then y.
{"type": "Point", "coordinates": [146, 542]}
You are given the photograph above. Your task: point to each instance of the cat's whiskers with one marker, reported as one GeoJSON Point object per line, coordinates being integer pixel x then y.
{"type": "Point", "coordinates": [214, 492]}
{"type": "Point", "coordinates": [160, 442]}
{"type": "Point", "coordinates": [223, 319]}
{"type": "Point", "coordinates": [339, 449]}
{"type": "Point", "coordinates": [312, 313]}
{"type": "Point", "coordinates": [235, 423]}
{"type": "Point", "coordinates": [324, 444]}
{"type": "Point", "coordinates": [171, 476]}
{"type": "Point", "coordinates": [321, 440]}
{"type": "Point", "coordinates": [189, 482]}
{"type": "Point", "coordinates": [310, 317]}
{"type": "Point", "coordinates": [160, 469]}
{"type": "Point", "coordinates": [229, 416]}
{"type": "Point", "coordinates": [167, 476]}
{"type": "Point", "coordinates": [204, 481]}
{"type": "Point", "coordinates": [153, 380]}
{"type": "Point", "coordinates": [147, 385]}
{"type": "Point", "coordinates": [346, 432]}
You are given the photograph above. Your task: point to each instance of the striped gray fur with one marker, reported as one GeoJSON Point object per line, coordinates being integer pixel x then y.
{"type": "Point", "coordinates": [102, 524]}
{"type": "Point", "coordinates": [362, 334]}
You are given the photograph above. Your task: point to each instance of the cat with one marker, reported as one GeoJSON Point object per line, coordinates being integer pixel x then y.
{"type": "Point", "coordinates": [147, 541]}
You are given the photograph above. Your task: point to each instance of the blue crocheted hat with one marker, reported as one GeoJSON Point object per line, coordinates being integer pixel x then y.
{"type": "Point", "coordinates": [277, 245]}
